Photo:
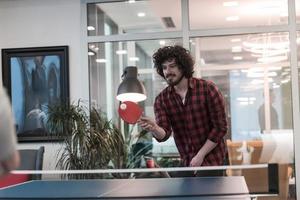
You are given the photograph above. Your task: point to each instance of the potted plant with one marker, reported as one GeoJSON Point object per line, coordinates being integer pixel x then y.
{"type": "Point", "coordinates": [90, 140]}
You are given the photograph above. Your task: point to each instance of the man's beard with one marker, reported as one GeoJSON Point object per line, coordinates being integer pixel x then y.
{"type": "Point", "coordinates": [173, 83]}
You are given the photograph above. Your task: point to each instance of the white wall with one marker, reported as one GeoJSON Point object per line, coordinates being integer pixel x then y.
{"type": "Point", "coordinates": [36, 23]}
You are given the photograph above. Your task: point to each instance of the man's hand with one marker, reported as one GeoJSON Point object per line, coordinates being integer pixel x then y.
{"type": "Point", "coordinates": [150, 125]}
{"type": "Point", "coordinates": [197, 160]}
{"type": "Point", "coordinates": [199, 157]}
{"type": "Point", "coordinates": [147, 123]}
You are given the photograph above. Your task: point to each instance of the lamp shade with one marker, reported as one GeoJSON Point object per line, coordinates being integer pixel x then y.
{"type": "Point", "coordinates": [131, 89]}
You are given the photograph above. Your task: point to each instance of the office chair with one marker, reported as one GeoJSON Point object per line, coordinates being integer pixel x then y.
{"type": "Point", "coordinates": [31, 159]}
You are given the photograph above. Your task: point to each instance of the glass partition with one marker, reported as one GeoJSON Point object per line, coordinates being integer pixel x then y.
{"type": "Point", "coordinates": [253, 73]}
{"type": "Point", "coordinates": [297, 3]}
{"type": "Point", "coordinates": [106, 64]}
{"type": "Point", "coordinates": [251, 70]}
{"type": "Point", "coordinates": [133, 17]}
{"type": "Point", "coordinates": [227, 14]}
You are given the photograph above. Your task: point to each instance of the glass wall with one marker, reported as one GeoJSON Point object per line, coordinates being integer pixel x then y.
{"type": "Point", "coordinates": [227, 14]}
{"type": "Point", "coordinates": [134, 17]}
{"type": "Point", "coordinates": [106, 65]}
{"type": "Point", "coordinates": [253, 72]}
{"type": "Point", "coordinates": [251, 67]}
{"type": "Point", "coordinates": [107, 62]}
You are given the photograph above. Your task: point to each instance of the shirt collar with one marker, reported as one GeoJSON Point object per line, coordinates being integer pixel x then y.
{"type": "Point", "coordinates": [191, 83]}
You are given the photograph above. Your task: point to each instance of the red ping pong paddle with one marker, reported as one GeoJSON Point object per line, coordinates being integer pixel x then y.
{"type": "Point", "coordinates": [130, 112]}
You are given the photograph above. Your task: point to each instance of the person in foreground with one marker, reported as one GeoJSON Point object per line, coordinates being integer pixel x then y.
{"type": "Point", "coordinates": [9, 157]}
{"type": "Point", "coordinates": [193, 109]}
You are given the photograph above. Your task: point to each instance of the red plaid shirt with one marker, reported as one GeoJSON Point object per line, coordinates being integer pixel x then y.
{"type": "Point", "coordinates": [201, 117]}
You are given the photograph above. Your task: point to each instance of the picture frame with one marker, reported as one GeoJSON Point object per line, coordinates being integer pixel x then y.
{"type": "Point", "coordinates": [35, 78]}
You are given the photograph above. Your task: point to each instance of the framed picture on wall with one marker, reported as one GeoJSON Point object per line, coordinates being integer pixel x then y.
{"type": "Point", "coordinates": [35, 78]}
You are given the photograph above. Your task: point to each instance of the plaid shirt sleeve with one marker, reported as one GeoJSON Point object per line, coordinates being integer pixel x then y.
{"type": "Point", "coordinates": [216, 106]}
{"type": "Point", "coordinates": [162, 118]}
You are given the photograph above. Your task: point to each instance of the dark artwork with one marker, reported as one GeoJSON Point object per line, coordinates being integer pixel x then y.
{"type": "Point", "coordinates": [35, 79]}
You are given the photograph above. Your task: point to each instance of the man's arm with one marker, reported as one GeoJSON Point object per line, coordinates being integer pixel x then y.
{"type": "Point", "coordinates": [217, 113]}
{"type": "Point", "coordinates": [198, 159]}
{"type": "Point", "coordinates": [150, 125]}
{"type": "Point", "coordinates": [160, 127]}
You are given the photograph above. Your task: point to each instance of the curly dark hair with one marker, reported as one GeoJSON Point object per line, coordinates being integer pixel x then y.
{"type": "Point", "coordinates": [182, 58]}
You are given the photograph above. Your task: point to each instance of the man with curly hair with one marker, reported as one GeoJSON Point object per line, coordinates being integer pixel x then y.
{"type": "Point", "coordinates": [192, 109]}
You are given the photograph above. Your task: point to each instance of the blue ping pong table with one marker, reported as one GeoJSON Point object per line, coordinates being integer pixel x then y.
{"type": "Point", "coordinates": [159, 189]}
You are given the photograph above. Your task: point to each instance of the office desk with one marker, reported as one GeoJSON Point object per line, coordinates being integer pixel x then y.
{"type": "Point", "coordinates": [160, 189]}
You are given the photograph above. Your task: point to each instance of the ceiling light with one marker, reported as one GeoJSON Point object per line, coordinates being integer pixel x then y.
{"type": "Point", "coordinates": [242, 98]}
{"type": "Point", "coordinates": [90, 53]}
{"type": "Point", "coordinates": [261, 81]}
{"type": "Point", "coordinates": [131, 1]}
{"type": "Point", "coordinates": [275, 68]}
{"type": "Point", "coordinates": [261, 69]}
{"type": "Point", "coordinates": [272, 59]}
{"type": "Point", "coordinates": [119, 52]}
{"type": "Point", "coordinates": [230, 3]}
{"type": "Point", "coordinates": [101, 60]}
{"type": "Point", "coordinates": [237, 58]}
{"type": "Point", "coordinates": [259, 52]}
{"type": "Point", "coordinates": [134, 59]}
{"type": "Point", "coordinates": [96, 48]}
{"type": "Point", "coordinates": [256, 55]}
{"type": "Point", "coordinates": [235, 40]}
{"type": "Point", "coordinates": [255, 75]}
{"type": "Point", "coordinates": [256, 69]}
{"type": "Point", "coordinates": [162, 42]}
{"type": "Point", "coordinates": [141, 14]}
{"type": "Point", "coordinates": [232, 18]}
{"type": "Point", "coordinates": [285, 81]}
{"type": "Point", "coordinates": [266, 8]}
{"type": "Point", "coordinates": [268, 47]}
{"type": "Point", "coordinates": [91, 28]}
{"type": "Point", "coordinates": [145, 70]}
{"type": "Point", "coordinates": [285, 73]}
{"type": "Point", "coordinates": [257, 81]}
{"type": "Point", "coordinates": [260, 75]}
